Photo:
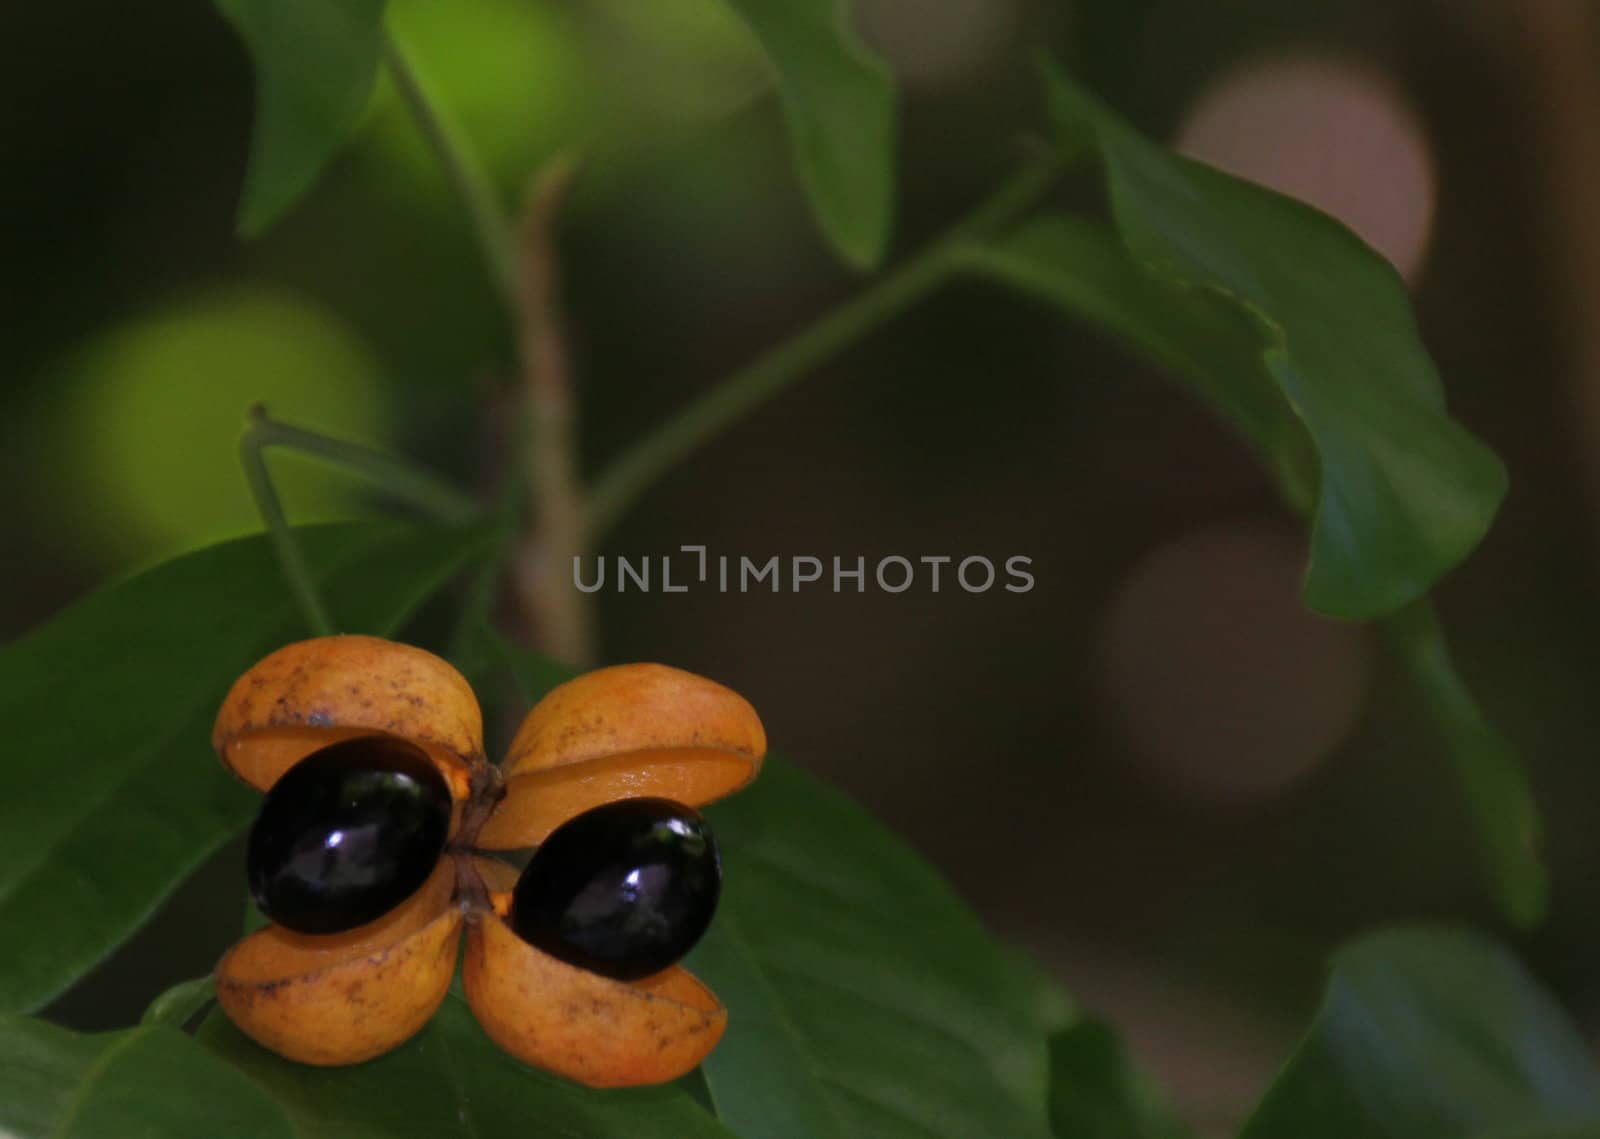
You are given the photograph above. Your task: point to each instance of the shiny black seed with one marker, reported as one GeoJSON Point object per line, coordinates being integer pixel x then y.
{"type": "Point", "coordinates": [347, 834]}
{"type": "Point", "coordinates": [623, 890]}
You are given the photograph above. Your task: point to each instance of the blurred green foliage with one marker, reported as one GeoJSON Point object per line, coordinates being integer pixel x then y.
{"type": "Point", "coordinates": [151, 411]}
{"type": "Point", "coordinates": [690, 249]}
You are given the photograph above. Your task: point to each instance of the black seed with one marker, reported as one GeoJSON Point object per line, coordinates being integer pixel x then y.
{"type": "Point", "coordinates": [623, 890]}
{"type": "Point", "coordinates": [347, 834]}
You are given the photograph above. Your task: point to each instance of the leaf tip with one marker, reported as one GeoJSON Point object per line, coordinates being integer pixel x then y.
{"type": "Point", "coordinates": [1522, 888]}
{"type": "Point", "coordinates": [250, 221]}
{"type": "Point", "coordinates": [863, 249]}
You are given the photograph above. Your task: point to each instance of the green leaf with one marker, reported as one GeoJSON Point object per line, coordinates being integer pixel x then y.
{"type": "Point", "coordinates": [112, 795]}
{"type": "Point", "coordinates": [840, 106]}
{"type": "Point", "coordinates": [180, 1004]}
{"type": "Point", "coordinates": [451, 1080]}
{"type": "Point", "coordinates": [1053, 1007]}
{"type": "Point", "coordinates": [532, 673]}
{"type": "Point", "coordinates": [1322, 374]}
{"type": "Point", "coordinates": [316, 62]}
{"type": "Point", "coordinates": [1405, 492]}
{"type": "Point", "coordinates": [863, 997]}
{"type": "Point", "coordinates": [150, 1082]}
{"type": "Point", "coordinates": [1486, 763]}
{"type": "Point", "coordinates": [1083, 267]}
{"type": "Point", "coordinates": [1429, 1034]}
{"type": "Point", "coordinates": [1096, 1094]}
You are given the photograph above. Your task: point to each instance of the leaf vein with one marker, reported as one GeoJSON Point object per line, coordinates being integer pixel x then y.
{"type": "Point", "coordinates": [783, 1018]}
{"type": "Point", "coordinates": [81, 1093]}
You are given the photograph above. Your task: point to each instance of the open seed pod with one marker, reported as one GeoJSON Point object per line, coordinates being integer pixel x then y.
{"type": "Point", "coordinates": [499, 880]}
{"type": "Point", "coordinates": [583, 1026]}
{"type": "Point", "coordinates": [313, 693]}
{"type": "Point", "coordinates": [348, 997]}
{"type": "Point", "coordinates": [633, 730]}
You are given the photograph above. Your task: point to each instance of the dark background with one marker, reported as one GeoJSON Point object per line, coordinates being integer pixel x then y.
{"type": "Point", "coordinates": [1154, 769]}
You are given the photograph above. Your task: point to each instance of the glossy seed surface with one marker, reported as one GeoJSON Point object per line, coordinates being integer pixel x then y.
{"type": "Point", "coordinates": [347, 834]}
{"type": "Point", "coordinates": [624, 890]}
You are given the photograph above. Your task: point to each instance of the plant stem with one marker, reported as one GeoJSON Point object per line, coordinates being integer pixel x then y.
{"type": "Point", "coordinates": [395, 476]}
{"type": "Point", "coordinates": [1492, 778]}
{"type": "Point", "coordinates": [524, 267]}
{"type": "Point", "coordinates": [464, 170]}
{"type": "Point", "coordinates": [483, 588]}
{"type": "Point", "coordinates": [270, 506]}
{"type": "Point", "coordinates": [562, 615]}
{"type": "Point", "coordinates": [690, 429]}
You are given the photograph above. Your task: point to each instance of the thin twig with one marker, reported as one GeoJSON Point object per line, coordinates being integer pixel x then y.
{"type": "Point", "coordinates": [483, 588]}
{"type": "Point", "coordinates": [522, 266]}
{"type": "Point", "coordinates": [301, 582]}
{"type": "Point", "coordinates": [461, 165]}
{"type": "Point", "coordinates": [393, 475]}
{"type": "Point", "coordinates": [690, 429]}
{"type": "Point", "coordinates": [561, 614]}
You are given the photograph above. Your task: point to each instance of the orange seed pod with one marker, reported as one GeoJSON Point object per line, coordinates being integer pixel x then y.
{"type": "Point", "coordinates": [313, 693]}
{"type": "Point", "coordinates": [348, 997]}
{"type": "Point", "coordinates": [633, 730]}
{"type": "Point", "coordinates": [578, 1024]}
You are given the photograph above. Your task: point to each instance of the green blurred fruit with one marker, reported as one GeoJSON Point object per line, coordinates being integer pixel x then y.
{"type": "Point", "coordinates": [508, 72]}
{"type": "Point", "coordinates": [148, 437]}
{"type": "Point", "coordinates": [524, 79]}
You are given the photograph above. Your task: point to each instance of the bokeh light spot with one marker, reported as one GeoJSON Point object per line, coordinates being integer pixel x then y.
{"type": "Point", "coordinates": [1333, 134]}
{"type": "Point", "coordinates": [937, 44]}
{"type": "Point", "coordinates": [155, 407]}
{"type": "Point", "coordinates": [1223, 686]}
